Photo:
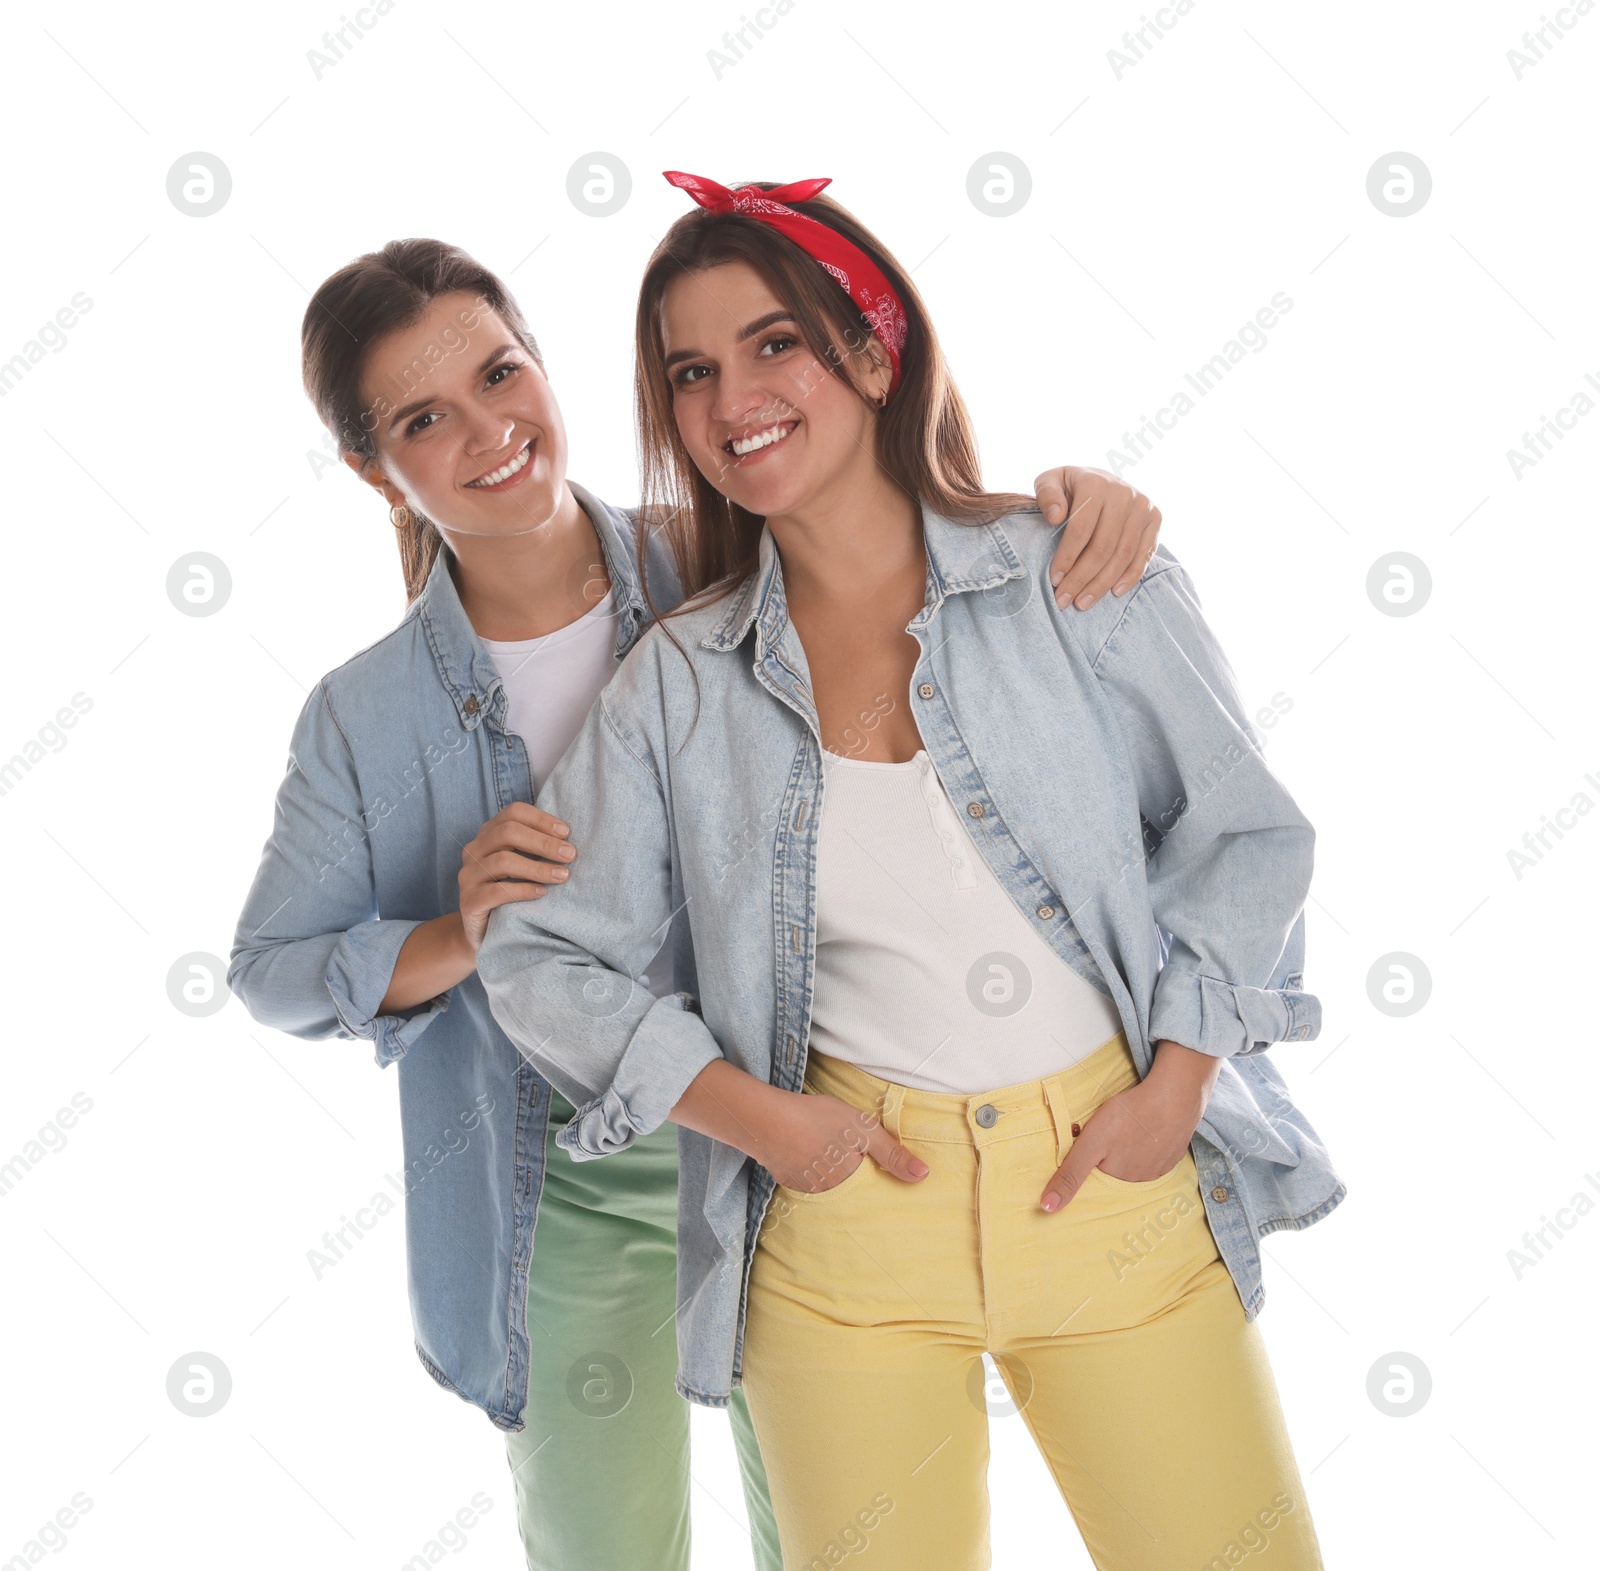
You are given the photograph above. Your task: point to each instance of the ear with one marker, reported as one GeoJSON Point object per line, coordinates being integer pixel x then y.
{"type": "Point", "coordinates": [880, 372]}
{"type": "Point", "coordinates": [366, 469]}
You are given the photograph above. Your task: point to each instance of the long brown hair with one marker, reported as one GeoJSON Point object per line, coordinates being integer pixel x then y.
{"type": "Point", "coordinates": [925, 442]}
{"type": "Point", "coordinates": [367, 299]}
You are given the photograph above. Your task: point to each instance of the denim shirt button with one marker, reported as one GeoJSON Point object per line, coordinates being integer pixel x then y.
{"type": "Point", "coordinates": [1219, 1193]}
{"type": "Point", "coordinates": [974, 809]}
{"type": "Point", "coordinates": [1046, 913]}
{"type": "Point", "coordinates": [471, 705]}
{"type": "Point", "coordinates": [925, 690]}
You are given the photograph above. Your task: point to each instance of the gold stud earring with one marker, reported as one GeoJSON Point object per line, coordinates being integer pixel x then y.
{"type": "Point", "coordinates": [400, 516]}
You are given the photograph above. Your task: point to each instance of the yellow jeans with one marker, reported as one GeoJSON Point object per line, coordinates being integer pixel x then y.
{"type": "Point", "coordinates": [1114, 1324]}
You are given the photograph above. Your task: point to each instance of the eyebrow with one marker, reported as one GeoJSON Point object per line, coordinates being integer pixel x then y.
{"type": "Point", "coordinates": [760, 325]}
{"type": "Point", "coordinates": [422, 403]}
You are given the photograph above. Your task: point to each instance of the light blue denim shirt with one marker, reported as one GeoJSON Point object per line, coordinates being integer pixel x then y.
{"type": "Point", "coordinates": [397, 760]}
{"type": "Point", "coordinates": [1112, 782]}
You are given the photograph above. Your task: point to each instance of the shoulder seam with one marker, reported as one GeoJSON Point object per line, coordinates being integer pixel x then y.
{"type": "Point", "coordinates": [411, 616]}
{"type": "Point", "coordinates": [628, 747]}
{"type": "Point", "coordinates": [1149, 578]}
{"type": "Point", "coordinates": [327, 704]}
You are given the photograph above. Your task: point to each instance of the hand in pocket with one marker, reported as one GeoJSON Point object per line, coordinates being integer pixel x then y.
{"type": "Point", "coordinates": [818, 1141]}
{"type": "Point", "coordinates": [1136, 1136]}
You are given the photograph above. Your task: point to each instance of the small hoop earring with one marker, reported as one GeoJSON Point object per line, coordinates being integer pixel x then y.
{"type": "Point", "coordinates": [883, 400]}
{"type": "Point", "coordinates": [400, 516]}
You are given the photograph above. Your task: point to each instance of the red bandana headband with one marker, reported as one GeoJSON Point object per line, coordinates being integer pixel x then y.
{"type": "Point", "coordinates": [859, 275]}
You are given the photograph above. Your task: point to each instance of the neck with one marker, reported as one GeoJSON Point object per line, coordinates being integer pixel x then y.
{"type": "Point", "coordinates": [857, 542]}
{"type": "Point", "coordinates": [533, 582]}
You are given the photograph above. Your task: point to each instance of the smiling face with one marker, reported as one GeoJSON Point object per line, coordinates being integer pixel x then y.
{"type": "Point", "coordinates": [467, 428]}
{"type": "Point", "coordinates": [757, 409]}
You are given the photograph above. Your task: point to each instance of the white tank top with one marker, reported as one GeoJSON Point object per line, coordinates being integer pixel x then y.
{"type": "Point", "coordinates": [927, 973]}
{"type": "Point", "coordinates": [552, 682]}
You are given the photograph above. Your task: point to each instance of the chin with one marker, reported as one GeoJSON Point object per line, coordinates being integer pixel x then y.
{"type": "Point", "coordinates": [764, 499]}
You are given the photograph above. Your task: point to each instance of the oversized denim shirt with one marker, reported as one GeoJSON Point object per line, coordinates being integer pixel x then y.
{"type": "Point", "coordinates": [397, 760]}
{"type": "Point", "coordinates": [1112, 782]}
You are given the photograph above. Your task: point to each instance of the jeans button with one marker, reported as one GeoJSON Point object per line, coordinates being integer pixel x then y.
{"type": "Point", "coordinates": [986, 1116]}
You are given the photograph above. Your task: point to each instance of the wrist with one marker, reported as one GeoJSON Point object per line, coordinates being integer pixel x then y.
{"type": "Point", "coordinates": [766, 1118]}
{"type": "Point", "coordinates": [1182, 1068]}
{"type": "Point", "coordinates": [455, 943]}
{"type": "Point", "coordinates": [731, 1106]}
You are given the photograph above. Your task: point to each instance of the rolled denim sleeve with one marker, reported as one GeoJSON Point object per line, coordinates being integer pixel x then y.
{"type": "Point", "coordinates": [1232, 854]}
{"type": "Point", "coordinates": [560, 971]}
{"type": "Point", "coordinates": [311, 956]}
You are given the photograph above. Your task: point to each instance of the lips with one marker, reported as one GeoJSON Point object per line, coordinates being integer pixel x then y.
{"type": "Point", "coordinates": [504, 475]}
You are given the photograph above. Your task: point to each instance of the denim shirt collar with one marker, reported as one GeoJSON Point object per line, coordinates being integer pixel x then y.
{"type": "Point", "coordinates": [961, 557]}
{"type": "Point", "coordinates": [466, 668]}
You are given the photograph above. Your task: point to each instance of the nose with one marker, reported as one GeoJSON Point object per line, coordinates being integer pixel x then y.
{"type": "Point", "coordinates": [487, 431]}
{"type": "Point", "coordinates": [741, 395]}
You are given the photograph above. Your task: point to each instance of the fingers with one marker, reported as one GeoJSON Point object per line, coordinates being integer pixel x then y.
{"type": "Point", "coordinates": [1068, 571]}
{"type": "Point", "coordinates": [1107, 535]}
{"type": "Point", "coordinates": [1098, 561]}
{"type": "Point", "coordinates": [1141, 560]}
{"type": "Point", "coordinates": [1116, 557]}
{"type": "Point", "coordinates": [1068, 1179]}
{"type": "Point", "coordinates": [525, 838]}
{"type": "Point", "coordinates": [495, 866]}
{"type": "Point", "coordinates": [1053, 492]}
{"type": "Point", "coordinates": [500, 838]}
{"type": "Point", "coordinates": [527, 828]}
{"type": "Point", "coordinates": [893, 1157]}
{"type": "Point", "coordinates": [533, 817]}
{"type": "Point", "coordinates": [488, 896]}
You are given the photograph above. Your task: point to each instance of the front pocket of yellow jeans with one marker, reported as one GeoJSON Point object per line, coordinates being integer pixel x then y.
{"type": "Point", "coordinates": [1141, 1244]}
{"type": "Point", "coordinates": [1183, 1173]}
{"type": "Point", "coordinates": [844, 1183]}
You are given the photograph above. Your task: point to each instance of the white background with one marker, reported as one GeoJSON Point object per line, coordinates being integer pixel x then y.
{"type": "Point", "coordinates": [1167, 207]}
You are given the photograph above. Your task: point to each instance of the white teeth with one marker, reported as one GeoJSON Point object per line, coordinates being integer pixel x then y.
{"type": "Point", "coordinates": [750, 444]}
{"type": "Point", "coordinates": [505, 471]}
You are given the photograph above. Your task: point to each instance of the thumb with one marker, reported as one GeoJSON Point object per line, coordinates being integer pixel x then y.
{"type": "Point", "coordinates": [893, 1157]}
{"type": "Point", "coordinates": [1053, 492]}
{"type": "Point", "coordinates": [1068, 1179]}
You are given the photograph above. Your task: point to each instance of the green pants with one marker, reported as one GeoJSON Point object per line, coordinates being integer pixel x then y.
{"type": "Point", "coordinates": [602, 1467]}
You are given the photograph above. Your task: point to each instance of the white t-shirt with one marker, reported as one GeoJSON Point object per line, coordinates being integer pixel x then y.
{"type": "Point", "coordinates": [551, 684]}
{"type": "Point", "coordinates": [927, 973]}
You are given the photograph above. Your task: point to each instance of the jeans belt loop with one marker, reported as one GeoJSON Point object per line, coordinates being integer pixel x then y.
{"type": "Point", "coordinates": [1055, 1094]}
{"type": "Point", "coordinates": [890, 1115]}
